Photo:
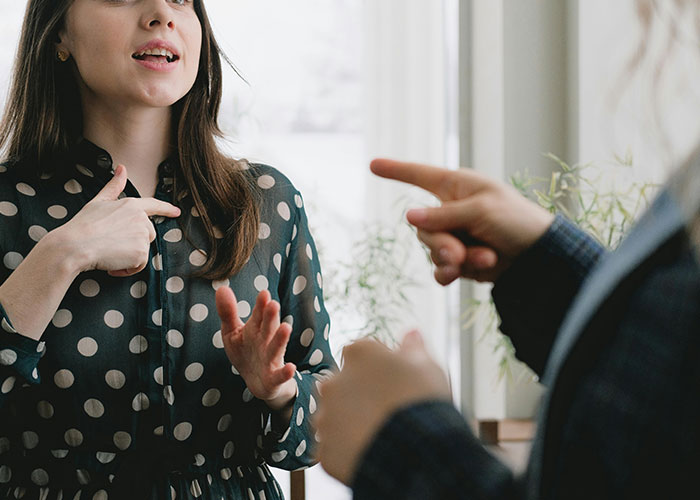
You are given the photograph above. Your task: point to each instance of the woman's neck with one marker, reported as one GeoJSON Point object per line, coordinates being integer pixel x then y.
{"type": "Point", "coordinates": [138, 138]}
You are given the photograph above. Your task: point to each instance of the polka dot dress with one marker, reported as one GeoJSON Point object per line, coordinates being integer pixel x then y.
{"type": "Point", "coordinates": [130, 386]}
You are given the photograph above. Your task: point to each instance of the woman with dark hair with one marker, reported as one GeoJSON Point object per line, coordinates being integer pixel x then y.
{"type": "Point", "coordinates": [116, 376]}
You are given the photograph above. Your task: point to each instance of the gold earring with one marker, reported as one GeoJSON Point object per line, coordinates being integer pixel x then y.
{"type": "Point", "coordinates": [62, 55]}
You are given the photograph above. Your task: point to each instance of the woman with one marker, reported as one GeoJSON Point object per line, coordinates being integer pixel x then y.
{"type": "Point", "coordinates": [116, 376]}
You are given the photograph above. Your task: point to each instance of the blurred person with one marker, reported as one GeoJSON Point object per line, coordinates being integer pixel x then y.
{"type": "Point", "coordinates": [123, 232]}
{"type": "Point", "coordinates": [614, 338]}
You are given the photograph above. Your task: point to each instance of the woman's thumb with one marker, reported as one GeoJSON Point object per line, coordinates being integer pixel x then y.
{"type": "Point", "coordinates": [115, 186]}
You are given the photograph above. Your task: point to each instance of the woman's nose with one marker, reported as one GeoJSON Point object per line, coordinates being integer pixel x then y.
{"type": "Point", "coordinates": [158, 13]}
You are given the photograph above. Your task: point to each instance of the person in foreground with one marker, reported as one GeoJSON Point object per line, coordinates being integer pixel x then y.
{"type": "Point", "coordinates": [615, 338]}
{"type": "Point", "coordinates": [118, 379]}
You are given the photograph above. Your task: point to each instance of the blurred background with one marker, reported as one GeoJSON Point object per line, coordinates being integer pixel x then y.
{"type": "Point", "coordinates": [514, 88]}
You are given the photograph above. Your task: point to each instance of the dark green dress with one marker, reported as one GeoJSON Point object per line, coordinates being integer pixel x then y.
{"type": "Point", "coordinates": [130, 393]}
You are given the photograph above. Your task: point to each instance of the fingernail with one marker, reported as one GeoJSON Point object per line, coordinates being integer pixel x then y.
{"type": "Point", "coordinates": [417, 215]}
{"type": "Point", "coordinates": [450, 272]}
{"type": "Point", "coordinates": [483, 261]}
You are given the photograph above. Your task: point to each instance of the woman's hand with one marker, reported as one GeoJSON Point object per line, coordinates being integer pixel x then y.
{"type": "Point", "coordinates": [373, 384]}
{"type": "Point", "coordinates": [499, 220]}
{"type": "Point", "coordinates": [256, 348]}
{"type": "Point", "coordinates": [113, 234]}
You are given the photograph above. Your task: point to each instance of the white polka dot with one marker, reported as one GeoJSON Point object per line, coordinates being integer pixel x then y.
{"type": "Point", "coordinates": [182, 431]}
{"type": "Point", "coordinates": [73, 437]}
{"type": "Point", "coordinates": [114, 319]}
{"type": "Point", "coordinates": [224, 423]}
{"type": "Point", "coordinates": [325, 332]}
{"type": "Point", "coordinates": [283, 210]}
{"type": "Point", "coordinates": [59, 453]}
{"type": "Point", "coordinates": [158, 375]}
{"type": "Point", "coordinates": [301, 448]}
{"type": "Point", "coordinates": [25, 189]}
{"type": "Point", "coordinates": [266, 181]}
{"type": "Point", "coordinates": [175, 284]}
{"type": "Point", "coordinates": [157, 262]}
{"type": "Point", "coordinates": [264, 231]}
{"type": "Point", "coordinates": [298, 201]}
{"type": "Point", "coordinates": [35, 374]}
{"type": "Point", "coordinates": [169, 395]}
{"type": "Point", "coordinates": [100, 495]}
{"type": "Point", "coordinates": [217, 340]}
{"type": "Point", "coordinates": [83, 476]}
{"type": "Point", "coordinates": [30, 440]}
{"type": "Point", "coordinates": [73, 187]}
{"type": "Point", "coordinates": [115, 379]}
{"type": "Point", "coordinates": [195, 489]}
{"type": "Point", "coordinates": [85, 171]}
{"type": "Point", "coordinates": [234, 370]}
{"type": "Point", "coordinates": [218, 233]}
{"type": "Point", "coordinates": [122, 440]}
{"type": "Point", "coordinates": [306, 337]}
{"type": "Point", "coordinates": [175, 339]}
{"type": "Point", "coordinates": [89, 288]}
{"type": "Point", "coordinates": [225, 473]}
{"type": "Point", "coordinates": [300, 416]}
{"type": "Point", "coordinates": [12, 260]}
{"type": "Point", "coordinates": [158, 431]}
{"type": "Point", "coordinates": [288, 248]}
{"type": "Point", "coordinates": [8, 357]}
{"type": "Point", "coordinates": [157, 317]}
{"type": "Point", "coordinates": [140, 402]}
{"type": "Point", "coordinates": [317, 305]}
{"type": "Point", "coordinates": [8, 209]}
{"type": "Point", "coordinates": [312, 405]}
{"type": "Point", "coordinates": [219, 283]}
{"type": "Point", "coordinates": [198, 258]}
{"type": "Point", "coordinates": [40, 477]}
{"type": "Point", "coordinates": [289, 320]}
{"type": "Point", "coordinates": [94, 408]}
{"type": "Point", "coordinates": [57, 211]}
{"type": "Point", "coordinates": [138, 344]}
{"type": "Point", "coordinates": [247, 395]}
{"type": "Point", "coordinates": [8, 385]}
{"type": "Point", "coordinates": [173, 236]}
{"type": "Point", "coordinates": [228, 449]}
{"type": "Point", "coordinates": [87, 347]}
{"type": "Point", "coordinates": [316, 357]}
{"type": "Point", "coordinates": [194, 371]}
{"type": "Point", "coordinates": [285, 435]}
{"type": "Point", "coordinates": [199, 459]}
{"type": "Point", "coordinates": [243, 309]}
{"type": "Point", "coordinates": [199, 312]}
{"type": "Point", "coordinates": [260, 283]}
{"type": "Point", "coordinates": [63, 379]}
{"type": "Point", "coordinates": [278, 456]}
{"type": "Point", "coordinates": [319, 280]}
{"type": "Point", "coordinates": [299, 285]}
{"type": "Point", "coordinates": [138, 289]}
{"type": "Point", "coordinates": [105, 457]}
{"type": "Point", "coordinates": [277, 261]}
{"type": "Point", "coordinates": [36, 232]}
{"type": "Point", "coordinates": [211, 397]}
{"type": "Point", "coordinates": [44, 409]}
{"type": "Point", "coordinates": [5, 474]}
{"type": "Point", "coordinates": [62, 318]}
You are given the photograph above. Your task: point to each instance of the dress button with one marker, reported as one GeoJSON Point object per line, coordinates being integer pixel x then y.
{"type": "Point", "coordinates": [104, 161]}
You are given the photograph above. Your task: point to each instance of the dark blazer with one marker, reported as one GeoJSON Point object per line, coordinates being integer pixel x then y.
{"type": "Point", "coordinates": [616, 340]}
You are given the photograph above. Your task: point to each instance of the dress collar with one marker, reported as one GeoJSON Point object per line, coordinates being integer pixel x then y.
{"type": "Point", "coordinates": [93, 157]}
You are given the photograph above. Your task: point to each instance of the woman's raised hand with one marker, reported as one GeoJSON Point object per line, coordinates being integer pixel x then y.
{"type": "Point", "coordinates": [113, 234]}
{"type": "Point", "coordinates": [256, 348]}
{"type": "Point", "coordinates": [498, 222]}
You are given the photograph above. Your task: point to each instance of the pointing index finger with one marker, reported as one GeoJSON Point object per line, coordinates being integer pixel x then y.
{"type": "Point", "coordinates": [444, 183]}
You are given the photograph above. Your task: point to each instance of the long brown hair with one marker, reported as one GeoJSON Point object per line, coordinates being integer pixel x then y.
{"type": "Point", "coordinates": [42, 123]}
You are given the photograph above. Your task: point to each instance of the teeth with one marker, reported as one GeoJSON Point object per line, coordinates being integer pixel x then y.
{"type": "Point", "coordinates": [156, 52]}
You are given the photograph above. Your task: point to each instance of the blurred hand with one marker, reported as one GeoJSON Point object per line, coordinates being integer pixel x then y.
{"type": "Point", "coordinates": [501, 220]}
{"type": "Point", "coordinates": [113, 234]}
{"type": "Point", "coordinates": [256, 348]}
{"type": "Point", "coordinates": [373, 384]}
